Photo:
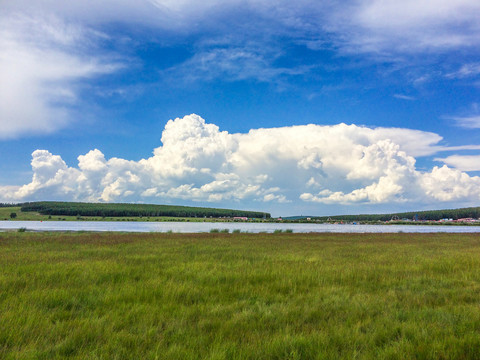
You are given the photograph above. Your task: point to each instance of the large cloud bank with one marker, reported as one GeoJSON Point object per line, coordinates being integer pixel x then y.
{"type": "Point", "coordinates": [340, 164]}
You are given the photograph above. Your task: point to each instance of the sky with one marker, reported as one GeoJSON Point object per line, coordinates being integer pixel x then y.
{"type": "Point", "coordinates": [291, 107]}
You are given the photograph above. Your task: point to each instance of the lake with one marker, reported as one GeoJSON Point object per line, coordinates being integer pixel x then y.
{"type": "Point", "coordinates": [193, 227]}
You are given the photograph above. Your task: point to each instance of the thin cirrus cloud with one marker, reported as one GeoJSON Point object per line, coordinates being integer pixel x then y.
{"type": "Point", "coordinates": [337, 164]}
{"type": "Point", "coordinates": [408, 26]}
{"type": "Point", "coordinates": [404, 97]}
{"type": "Point", "coordinates": [469, 122]}
{"type": "Point", "coordinates": [392, 29]}
{"type": "Point", "coordinates": [235, 63]}
{"type": "Point", "coordinates": [465, 71]}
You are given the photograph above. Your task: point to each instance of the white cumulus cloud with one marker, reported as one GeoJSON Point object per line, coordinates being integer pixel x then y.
{"type": "Point", "coordinates": [336, 164]}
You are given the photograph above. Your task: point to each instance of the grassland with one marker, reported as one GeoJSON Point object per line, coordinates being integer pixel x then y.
{"type": "Point", "coordinates": [239, 296]}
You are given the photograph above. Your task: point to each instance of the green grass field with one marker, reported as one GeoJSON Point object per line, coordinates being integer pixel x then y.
{"type": "Point", "coordinates": [239, 296]}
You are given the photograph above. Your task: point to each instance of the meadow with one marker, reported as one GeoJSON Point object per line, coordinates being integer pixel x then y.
{"type": "Point", "coordinates": [239, 296]}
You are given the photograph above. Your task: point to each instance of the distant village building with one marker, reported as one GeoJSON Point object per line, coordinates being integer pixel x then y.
{"type": "Point", "coordinates": [467, 220]}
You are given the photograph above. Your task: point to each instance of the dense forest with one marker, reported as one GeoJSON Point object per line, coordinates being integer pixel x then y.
{"type": "Point", "coordinates": [455, 214]}
{"type": "Point", "coordinates": [117, 210]}
{"type": "Point", "coordinates": [7, 205]}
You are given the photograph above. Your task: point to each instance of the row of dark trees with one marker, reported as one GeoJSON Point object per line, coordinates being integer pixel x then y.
{"type": "Point", "coordinates": [432, 215]}
{"type": "Point", "coordinates": [133, 210]}
{"type": "Point", "coordinates": [3, 205]}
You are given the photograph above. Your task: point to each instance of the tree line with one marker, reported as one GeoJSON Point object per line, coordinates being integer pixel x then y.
{"type": "Point", "coordinates": [429, 215]}
{"type": "Point", "coordinates": [2, 205]}
{"type": "Point", "coordinates": [133, 210]}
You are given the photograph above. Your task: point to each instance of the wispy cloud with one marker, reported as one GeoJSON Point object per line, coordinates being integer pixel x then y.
{"type": "Point", "coordinates": [409, 26]}
{"type": "Point", "coordinates": [41, 64]}
{"type": "Point", "coordinates": [57, 55]}
{"type": "Point", "coordinates": [467, 70]}
{"type": "Point", "coordinates": [372, 26]}
{"type": "Point", "coordinates": [235, 63]}
{"type": "Point", "coordinates": [469, 122]}
{"type": "Point", "coordinates": [404, 97]}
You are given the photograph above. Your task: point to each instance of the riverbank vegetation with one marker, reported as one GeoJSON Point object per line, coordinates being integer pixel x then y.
{"type": "Point", "coordinates": [239, 296]}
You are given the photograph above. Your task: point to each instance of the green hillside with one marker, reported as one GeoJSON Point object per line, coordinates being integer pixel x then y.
{"type": "Point", "coordinates": [132, 210]}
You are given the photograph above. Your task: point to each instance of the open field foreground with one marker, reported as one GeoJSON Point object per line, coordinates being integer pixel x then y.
{"type": "Point", "coordinates": [239, 296]}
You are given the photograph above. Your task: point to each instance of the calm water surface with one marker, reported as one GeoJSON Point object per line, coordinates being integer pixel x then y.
{"type": "Point", "coordinates": [193, 227]}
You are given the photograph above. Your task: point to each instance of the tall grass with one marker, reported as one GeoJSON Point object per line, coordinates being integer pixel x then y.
{"type": "Point", "coordinates": [239, 296]}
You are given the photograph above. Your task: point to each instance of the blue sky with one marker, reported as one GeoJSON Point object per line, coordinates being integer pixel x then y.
{"type": "Point", "coordinates": [300, 107]}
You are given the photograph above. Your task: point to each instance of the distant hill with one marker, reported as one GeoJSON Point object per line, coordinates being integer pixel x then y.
{"type": "Point", "coordinates": [118, 210]}
{"type": "Point", "coordinates": [455, 214]}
